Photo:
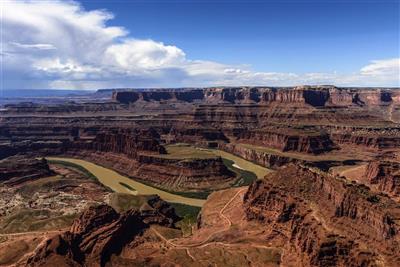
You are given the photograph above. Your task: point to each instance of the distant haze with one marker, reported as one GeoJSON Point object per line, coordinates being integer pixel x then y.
{"type": "Point", "coordinates": [15, 93]}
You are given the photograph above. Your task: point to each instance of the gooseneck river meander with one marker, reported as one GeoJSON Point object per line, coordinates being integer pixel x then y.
{"type": "Point", "coordinates": [115, 181]}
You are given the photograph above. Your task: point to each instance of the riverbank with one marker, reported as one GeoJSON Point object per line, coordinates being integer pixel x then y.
{"type": "Point", "coordinates": [116, 182]}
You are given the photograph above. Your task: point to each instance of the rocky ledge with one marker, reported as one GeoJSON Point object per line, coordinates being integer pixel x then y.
{"type": "Point", "coordinates": [326, 221]}
{"type": "Point", "coordinates": [99, 233]}
{"type": "Point", "coordinates": [18, 169]}
{"type": "Point", "coordinates": [385, 176]}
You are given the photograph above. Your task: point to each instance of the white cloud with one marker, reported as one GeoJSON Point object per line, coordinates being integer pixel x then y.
{"type": "Point", "coordinates": [387, 67]}
{"type": "Point", "coordinates": [55, 65]}
{"type": "Point", "coordinates": [34, 46]}
{"type": "Point", "coordinates": [143, 54]}
{"type": "Point", "coordinates": [58, 44]}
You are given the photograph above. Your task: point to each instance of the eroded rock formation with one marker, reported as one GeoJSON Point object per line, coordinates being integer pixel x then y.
{"type": "Point", "coordinates": [385, 176]}
{"type": "Point", "coordinates": [16, 170]}
{"type": "Point", "coordinates": [99, 233]}
{"type": "Point", "coordinates": [325, 220]}
{"type": "Point", "coordinates": [315, 96]}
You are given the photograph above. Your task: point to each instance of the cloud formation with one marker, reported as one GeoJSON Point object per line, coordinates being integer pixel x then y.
{"type": "Point", "coordinates": [57, 44]}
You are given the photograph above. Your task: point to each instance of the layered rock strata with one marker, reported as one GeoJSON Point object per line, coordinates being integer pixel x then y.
{"type": "Point", "coordinates": [286, 139]}
{"type": "Point", "coordinates": [326, 221]}
{"type": "Point", "coordinates": [268, 160]}
{"type": "Point", "coordinates": [99, 233]}
{"type": "Point", "coordinates": [385, 176]}
{"type": "Point", "coordinates": [16, 170]}
{"type": "Point", "coordinates": [315, 96]}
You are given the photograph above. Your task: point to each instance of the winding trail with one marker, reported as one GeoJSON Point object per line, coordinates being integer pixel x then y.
{"type": "Point", "coordinates": [221, 214]}
{"type": "Point", "coordinates": [34, 233]}
{"type": "Point", "coordinates": [206, 242]}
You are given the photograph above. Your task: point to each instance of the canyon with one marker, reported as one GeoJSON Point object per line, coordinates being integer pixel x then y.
{"type": "Point", "coordinates": [330, 156]}
{"type": "Point", "coordinates": [318, 213]}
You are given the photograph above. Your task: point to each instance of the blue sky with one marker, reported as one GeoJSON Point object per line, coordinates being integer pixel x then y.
{"type": "Point", "coordinates": [99, 44]}
{"type": "Point", "coordinates": [282, 36]}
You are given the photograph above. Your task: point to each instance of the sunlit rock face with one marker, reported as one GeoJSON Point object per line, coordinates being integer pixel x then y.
{"type": "Point", "coordinates": [327, 222]}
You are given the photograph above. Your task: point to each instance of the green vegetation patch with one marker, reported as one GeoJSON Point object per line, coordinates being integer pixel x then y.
{"type": "Point", "coordinates": [189, 215]}
{"type": "Point", "coordinates": [25, 220]}
{"type": "Point", "coordinates": [244, 177]}
{"type": "Point", "coordinates": [257, 169]}
{"type": "Point", "coordinates": [43, 184]}
{"type": "Point", "coordinates": [183, 210]}
{"type": "Point", "coordinates": [186, 151]}
{"type": "Point", "coordinates": [198, 195]}
{"type": "Point", "coordinates": [122, 202]}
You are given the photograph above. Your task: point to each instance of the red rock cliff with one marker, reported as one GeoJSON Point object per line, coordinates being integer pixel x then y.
{"type": "Point", "coordinates": [385, 176]}
{"type": "Point", "coordinates": [317, 96]}
{"type": "Point", "coordinates": [326, 221]}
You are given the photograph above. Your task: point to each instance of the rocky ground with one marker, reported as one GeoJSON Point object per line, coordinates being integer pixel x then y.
{"type": "Point", "coordinates": [50, 201]}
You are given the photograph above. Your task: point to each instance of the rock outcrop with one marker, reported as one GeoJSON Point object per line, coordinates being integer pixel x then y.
{"type": "Point", "coordinates": [99, 233]}
{"type": "Point", "coordinates": [367, 140]}
{"type": "Point", "coordinates": [122, 141]}
{"type": "Point", "coordinates": [268, 160]}
{"type": "Point", "coordinates": [385, 176]}
{"type": "Point", "coordinates": [16, 170]}
{"type": "Point", "coordinates": [326, 221]}
{"type": "Point", "coordinates": [286, 139]}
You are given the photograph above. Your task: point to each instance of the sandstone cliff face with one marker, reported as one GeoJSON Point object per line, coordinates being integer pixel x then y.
{"type": "Point", "coordinates": [138, 153]}
{"type": "Point", "coordinates": [316, 96]}
{"type": "Point", "coordinates": [27, 138]}
{"type": "Point", "coordinates": [286, 139]}
{"type": "Point", "coordinates": [185, 174]}
{"type": "Point", "coordinates": [50, 140]}
{"type": "Point", "coordinates": [16, 170]}
{"type": "Point", "coordinates": [273, 160]}
{"type": "Point", "coordinates": [385, 176]}
{"type": "Point", "coordinates": [262, 158]}
{"type": "Point", "coordinates": [368, 140]}
{"type": "Point", "coordinates": [99, 233]}
{"type": "Point", "coordinates": [317, 214]}
{"type": "Point", "coordinates": [123, 141]}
